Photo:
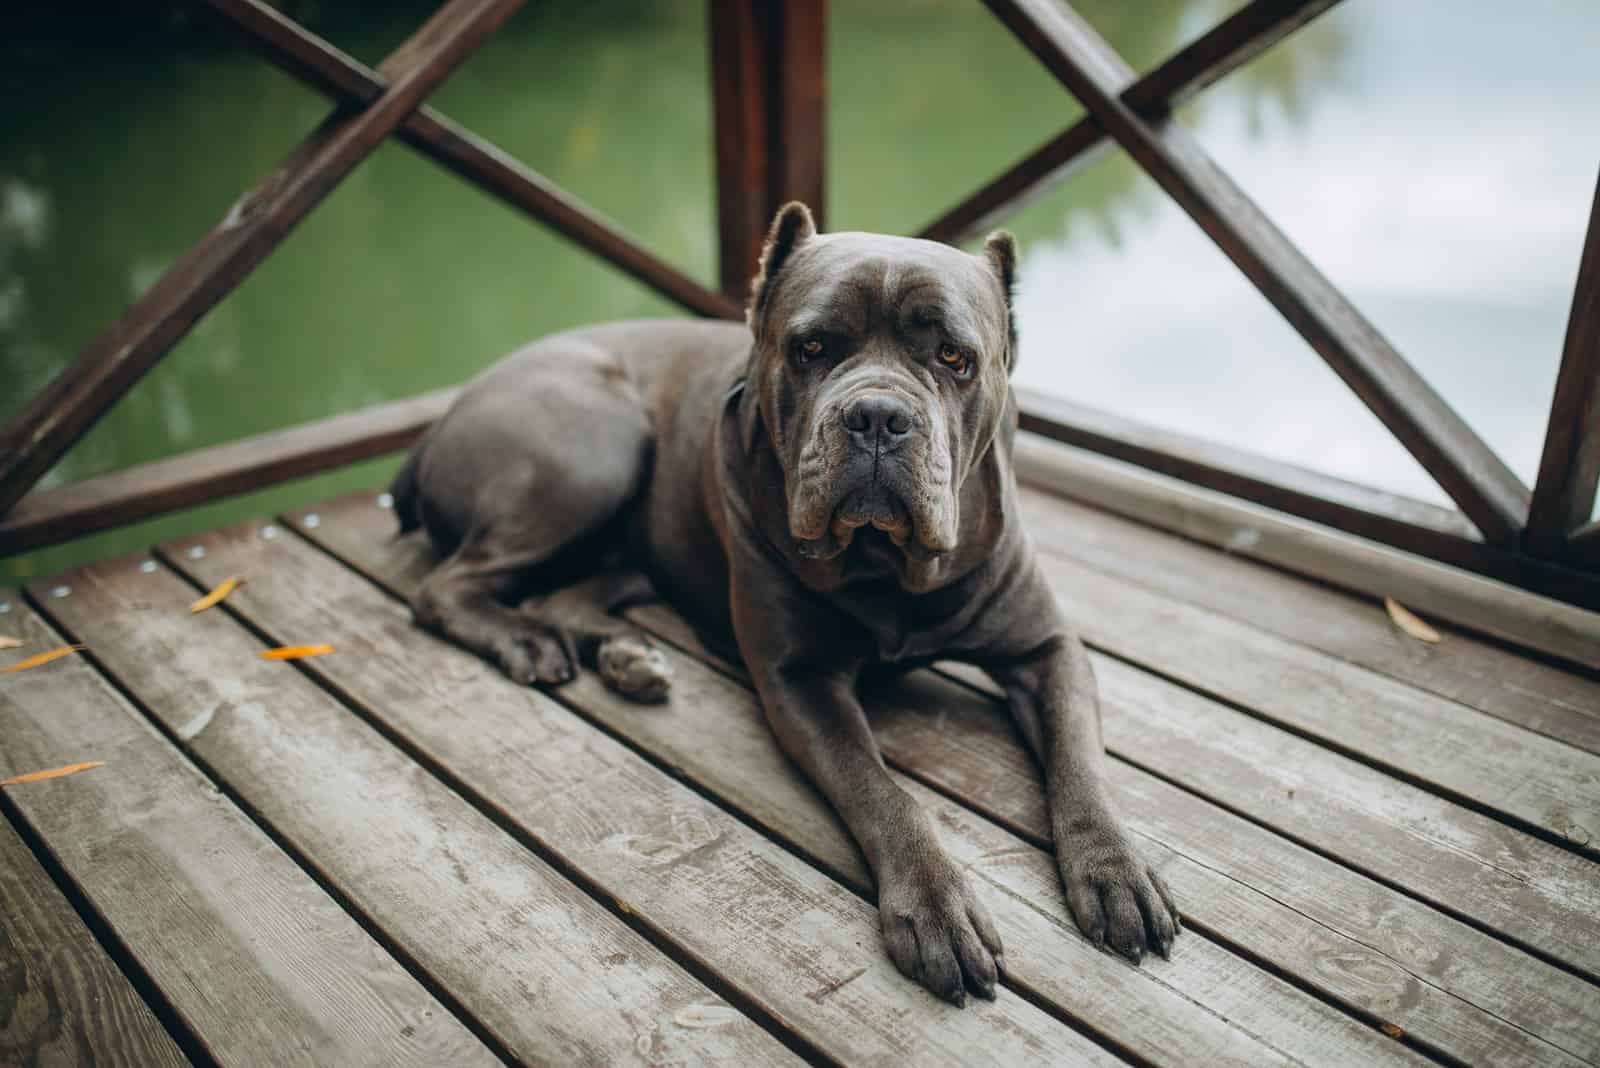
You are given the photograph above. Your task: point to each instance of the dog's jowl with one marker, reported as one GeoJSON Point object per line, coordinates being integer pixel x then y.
{"type": "Point", "coordinates": [825, 488]}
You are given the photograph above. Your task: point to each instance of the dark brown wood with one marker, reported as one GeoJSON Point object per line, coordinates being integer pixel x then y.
{"type": "Point", "coordinates": [442, 140]}
{"type": "Point", "coordinates": [1584, 545]}
{"type": "Point", "coordinates": [782, 934]}
{"type": "Point", "coordinates": [1300, 491]}
{"type": "Point", "coordinates": [1228, 45]}
{"type": "Point", "coordinates": [1563, 496]}
{"type": "Point", "coordinates": [258, 963]}
{"type": "Point", "coordinates": [202, 475]}
{"type": "Point", "coordinates": [1415, 526]}
{"type": "Point", "coordinates": [433, 876]}
{"type": "Point", "coordinates": [252, 228]}
{"type": "Point", "coordinates": [1467, 469]}
{"type": "Point", "coordinates": [1557, 628]}
{"type": "Point", "coordinates": [62, 1000]}
{"type": "Point", "coordinates": [768, 90]}
{"type": "Point", "coordinates": [1484, 675]}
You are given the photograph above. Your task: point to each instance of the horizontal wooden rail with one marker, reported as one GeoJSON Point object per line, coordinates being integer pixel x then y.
{"type": "Point", "coordinates": [56, 515]}
{"type": "Point", "coordinates": [1434, 589]}
{"type": "Point", "coordinates": [1230, 44]}
{"type": "Point", "coordinates": [1569, 467]}
{"type": "Point", "coordinates": [1448, 449]}
{"type": "Point", "coordinates": [1415, 526]}
{"type": "Point", "coordinates": [252, 228]}
{"type": "Point", "coordinates": [1300, 491]}
{"type": "Point", "coordinates": [325, 68]}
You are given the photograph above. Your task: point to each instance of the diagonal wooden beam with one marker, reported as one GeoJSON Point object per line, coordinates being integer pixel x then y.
{"type": "Point", "coordinates": [1227, 46]}
{"type": "Point", "coordinates": [1448, 449]}
{"type": "Point", "coordinates": [1563, 496]}
{"type": "Point", "coordinates": [325, 68]}
{"type": "Point", "coordinates": [252, 228]}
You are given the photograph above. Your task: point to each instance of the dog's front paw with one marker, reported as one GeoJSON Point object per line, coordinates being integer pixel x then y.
{"type": "Point", "coordinates": [938, 932]}
{"type": "Point", "coordinates": [1115, 898]}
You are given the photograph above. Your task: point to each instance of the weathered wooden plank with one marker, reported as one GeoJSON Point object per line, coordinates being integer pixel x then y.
{"type": "Point", "coordinates": [257, 961]}
{"type": "Point", "coordinates": [531, 957]}
{"type": "Point", "coordinates": [1569, 466]}
{"type": "Point", "coordinates": [62, 1000]}
{"type": "Point", "coordinates": [202, 475]}
{"type": "Point", "coordinates": [1354, 940]}
{"type": "Point", "coordinates": [1228, 45]}
{"type": "Point", "coordinates": [1447, 448]}
{"type": "Point", "coordinates": [790, 940]}
{"type": "Point", "coordinates": [767, 87]}
{"type": "Point", "coordinates": [1531, 693]}
{"type": "Point", "coordinates": [253, 227]}
{"type": "Point", "coordinates": [1447, 746]}
{"type": "Point", "coordinates": [1561, 630]}
{"type": "Point", "coordinates": [1360, 943]}
{"type": "Point", "coordinates": [308, 57]}
{"type": "Point", "coordinates": [1447, 984]}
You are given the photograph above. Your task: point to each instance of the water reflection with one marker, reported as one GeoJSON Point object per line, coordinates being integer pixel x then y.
{"type": "Point", "coordinates": [1436, 167]}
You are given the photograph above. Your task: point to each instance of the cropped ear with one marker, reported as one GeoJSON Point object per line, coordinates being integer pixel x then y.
{"type": "Point", "coordinates": [1000, 249]}
{"type": "Point", "coordinates": [791, 228]}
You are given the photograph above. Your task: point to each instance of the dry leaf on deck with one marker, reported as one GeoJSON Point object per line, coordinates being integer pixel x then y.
{"type": "Point", "coordinates": [8, 642]}
{"type": "Point", "coordinates": [41, 658]}
{"type": "Point", "coordinates": [215, 597]}
{"type": "Point", "coordinates": [53, 773]}
{"type": "Point", "coordinates": [1408, 622]}
{"type": "Point", "coordinates": [1393, 1030]}
{"type": "Point", "coordinates": [295, 652]}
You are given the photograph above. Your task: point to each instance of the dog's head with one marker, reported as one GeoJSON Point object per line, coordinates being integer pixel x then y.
{"type": "Point", "coordinates": [880, 374]}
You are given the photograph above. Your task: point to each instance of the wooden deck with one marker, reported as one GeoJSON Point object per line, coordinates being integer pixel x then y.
{"type": "Point", "coordinates": [1386, 851]}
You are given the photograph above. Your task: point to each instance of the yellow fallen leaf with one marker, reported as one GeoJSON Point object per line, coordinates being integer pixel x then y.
{"type": "Point", "coordinates": [8, 642]}
{"type": "Point", "coordinates": [42, 658]}
{"type": "Point", "coordinates": [53, 773]}
{"type": "Point", "coordinates": [215, 597]}
{"type": "Point", "coordinates": [295, 652]}
{"type": "Point", "coordinates": [1406, 621]}
{"type": "Point", "coordinates": [1393, 1030]}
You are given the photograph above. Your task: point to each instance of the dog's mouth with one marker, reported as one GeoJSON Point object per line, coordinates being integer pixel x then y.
{"type": "Point", "coordinates": [875, 507]}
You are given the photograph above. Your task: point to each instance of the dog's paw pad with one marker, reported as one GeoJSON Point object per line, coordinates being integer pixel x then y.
{"type": "Point", "coordinates": [635, 669]}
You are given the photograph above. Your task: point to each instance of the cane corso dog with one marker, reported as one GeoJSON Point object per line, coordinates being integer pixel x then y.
{"type": "Point", "coordinates": [829, 485]}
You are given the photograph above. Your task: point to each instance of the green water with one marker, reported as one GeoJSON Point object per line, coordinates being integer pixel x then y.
{"type": "Point", "coordinates": [1435, 158]}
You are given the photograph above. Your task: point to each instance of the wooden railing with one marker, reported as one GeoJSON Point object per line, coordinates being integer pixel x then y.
{"type": "Point", "coordinates": [768, 93]}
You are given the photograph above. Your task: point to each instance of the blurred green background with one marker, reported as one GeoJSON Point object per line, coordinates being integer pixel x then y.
{"type": "Point", "coordinates": [1436, 159]}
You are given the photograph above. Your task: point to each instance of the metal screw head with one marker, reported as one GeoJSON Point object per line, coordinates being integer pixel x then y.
{"type": "Point", "coordinates": [197, 552]}
{"type": "Point", "coordinates": [269, 532]}
{"type": "Point", "coordinates": [312, 520]}
{"type": "Point", "coordinates": [385, 500]}
{"type": "Point", "coordinates": [61, 591]}
{"type": "Point", "coordinates": [147, 566]}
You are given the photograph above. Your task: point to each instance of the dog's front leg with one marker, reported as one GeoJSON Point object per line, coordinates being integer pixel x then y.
{"type": "Point", "coordinates": [804, 659]}
{"type": "Point", "coordinates": [936, 930]}
{"type": "Point", "coordinates": [1115, 898]}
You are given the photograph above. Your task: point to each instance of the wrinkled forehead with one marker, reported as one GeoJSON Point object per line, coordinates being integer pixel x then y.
{"type": "Point", "coordinates": [856, 282]}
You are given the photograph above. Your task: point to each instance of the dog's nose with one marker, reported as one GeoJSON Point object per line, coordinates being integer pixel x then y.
{"type": "Point", "coordinates": [878, 417]}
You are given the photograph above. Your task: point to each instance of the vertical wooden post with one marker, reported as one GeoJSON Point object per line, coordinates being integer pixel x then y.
{"type": "Point", "coordinates": [768, 93]}
{"type": "Point", "coordinates": [1570, 464]}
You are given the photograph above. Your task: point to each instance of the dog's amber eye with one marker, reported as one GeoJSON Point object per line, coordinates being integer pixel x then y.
{"type": "Point", "coordinates": [955, 359]}
{"type": "Point", "coordinates": [809, 349]}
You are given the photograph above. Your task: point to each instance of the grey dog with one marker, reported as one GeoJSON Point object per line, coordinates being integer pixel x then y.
{"type": "Point", "coordinates": [830, 485]}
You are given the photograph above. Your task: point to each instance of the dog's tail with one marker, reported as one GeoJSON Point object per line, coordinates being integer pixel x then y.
{"type": "Point", "coordinates": [407, 505]}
